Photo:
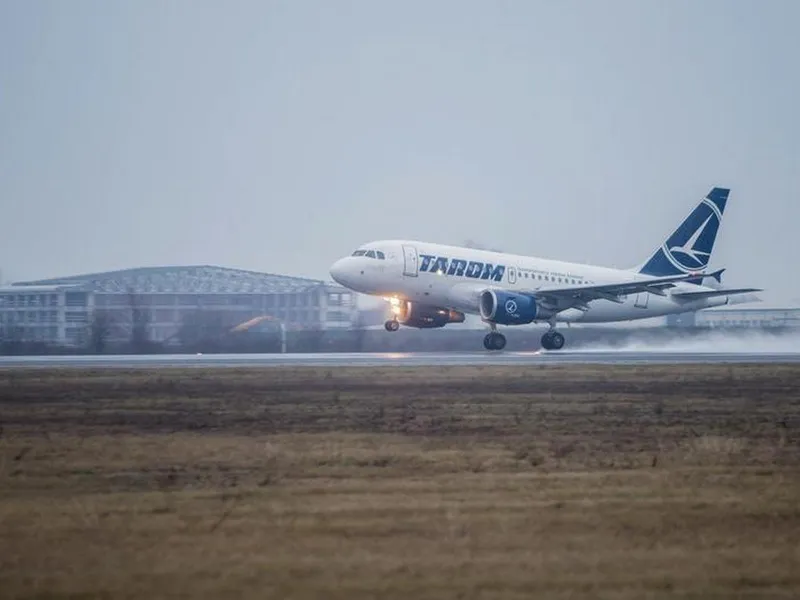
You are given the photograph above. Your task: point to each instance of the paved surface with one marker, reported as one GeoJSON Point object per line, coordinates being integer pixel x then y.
{"type": "Point", "coordinates": [405, 359]}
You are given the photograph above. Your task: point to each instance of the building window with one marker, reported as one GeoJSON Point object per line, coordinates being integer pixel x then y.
{"type": "Point", "coordinates": [118, 300]}
{"type": "Point", "coordinates": [76, 298]}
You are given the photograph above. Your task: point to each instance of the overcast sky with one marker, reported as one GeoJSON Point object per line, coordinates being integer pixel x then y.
{"type": "Point", "coordinates": [277, 136]}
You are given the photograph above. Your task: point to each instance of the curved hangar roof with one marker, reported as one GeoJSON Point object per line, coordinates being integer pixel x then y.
{"type": "Point", "coordinates": [182, 280]}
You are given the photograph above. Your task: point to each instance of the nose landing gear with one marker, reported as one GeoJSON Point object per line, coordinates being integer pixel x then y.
{"type": "Point", "coordinates": [392, 325]}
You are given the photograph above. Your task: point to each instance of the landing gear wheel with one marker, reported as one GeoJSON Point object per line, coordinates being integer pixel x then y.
{"type": "Point", "coordinates": [552, 340]}
{"type": "Point", "coordinates": [494, 341]}
{"type": "Point", "coordinates": [392, 325]}
{"type": "Point", "coordinates": [499, 341]}
{"type": "Point", "coordinates": [556, 341]}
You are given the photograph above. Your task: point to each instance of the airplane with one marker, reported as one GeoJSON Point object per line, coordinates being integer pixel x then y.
{"type": "Point", "coordinates": [432, 285]}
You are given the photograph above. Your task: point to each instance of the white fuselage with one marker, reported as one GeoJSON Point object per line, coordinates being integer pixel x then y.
{"type": "Point", "coordinates": [453, 277]}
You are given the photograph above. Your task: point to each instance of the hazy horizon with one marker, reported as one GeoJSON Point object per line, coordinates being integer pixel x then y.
{"type": "Point", "coordinates": [277, 136]}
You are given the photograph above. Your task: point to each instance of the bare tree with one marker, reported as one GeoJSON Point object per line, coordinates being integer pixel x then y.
{"type": "Point", "coordinates": [316, 336]}
{"type": "Point", "coordinates": [308, 339]}
{"type": "Point", "coordinates": [201, 329]}
{"type": "Point", "coordinates": [12, 338]}
{"type": "Point", "coordinates": [140, 319]}
{"type": "Point", "coordinates": [100, 330]}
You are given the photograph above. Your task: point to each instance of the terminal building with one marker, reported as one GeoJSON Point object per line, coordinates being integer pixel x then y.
{"type": "Point", "coordinates": [164, 300]}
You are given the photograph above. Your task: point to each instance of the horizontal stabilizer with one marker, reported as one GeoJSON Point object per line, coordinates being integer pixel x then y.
{"type": "Point", "coordinates": [700, 295]}
{"type": "Point", "coordinates": [716, 276]}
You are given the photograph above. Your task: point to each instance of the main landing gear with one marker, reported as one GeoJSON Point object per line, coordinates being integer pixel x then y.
{"type": "Point", "coordinates": [552, 340]}
{"type": "Point", "coordinates": [494, 341]}
{"type": "Point", "coordinates": [392, 325]}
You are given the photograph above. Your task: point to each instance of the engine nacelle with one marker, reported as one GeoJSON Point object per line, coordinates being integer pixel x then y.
{"type": "Point", "coordinates": [427, 317]}
{"type": "Point", "coordinates": [506, 308]}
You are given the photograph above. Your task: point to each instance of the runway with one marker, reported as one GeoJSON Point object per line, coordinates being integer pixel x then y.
{"type": "Point", "coordinates": [397, 359]}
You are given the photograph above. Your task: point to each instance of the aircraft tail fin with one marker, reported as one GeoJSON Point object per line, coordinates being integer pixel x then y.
{"type": "Point", "coordinates": [688, 249]}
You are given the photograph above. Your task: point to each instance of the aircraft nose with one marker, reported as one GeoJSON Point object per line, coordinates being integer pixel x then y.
{"type": "Point", "coordinates": [338, 271]}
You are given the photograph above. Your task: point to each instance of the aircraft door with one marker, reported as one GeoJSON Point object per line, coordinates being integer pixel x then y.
{"type": "Point", "coordinates": [512, 275]}
{"type": "Point", "coordinates": [410, 261]}
{"type": "Point", "coordinates": [641, 300]}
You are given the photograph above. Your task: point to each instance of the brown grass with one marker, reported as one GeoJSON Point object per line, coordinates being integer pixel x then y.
{"type": "Point", "coordinates": [443, 482]}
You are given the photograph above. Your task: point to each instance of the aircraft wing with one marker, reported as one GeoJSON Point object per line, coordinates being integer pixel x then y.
{"type": "Point", "coordinates": [701, 294]}
{"type": "Point", "coordinates": [579, 295]}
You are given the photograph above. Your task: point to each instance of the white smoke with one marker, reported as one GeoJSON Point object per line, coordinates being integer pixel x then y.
{"type": "Point", "coordinates": [715, 341]}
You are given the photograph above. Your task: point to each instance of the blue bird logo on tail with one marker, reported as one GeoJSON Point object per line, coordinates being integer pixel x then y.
{"type": "Point", "coordinates": [689, 247]}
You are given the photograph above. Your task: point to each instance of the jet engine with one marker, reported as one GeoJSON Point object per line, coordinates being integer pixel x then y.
{"type": "Point", "coordinates": [426, 317]}
{"type": "Point", "coordinates": [506, 308]}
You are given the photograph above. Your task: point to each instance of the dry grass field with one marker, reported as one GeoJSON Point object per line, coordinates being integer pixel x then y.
{"type": "Point", "coordinates": [442, 482]}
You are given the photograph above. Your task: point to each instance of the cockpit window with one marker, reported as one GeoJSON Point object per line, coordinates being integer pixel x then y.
{"type": "Point", "coordinates": [370, 254]}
